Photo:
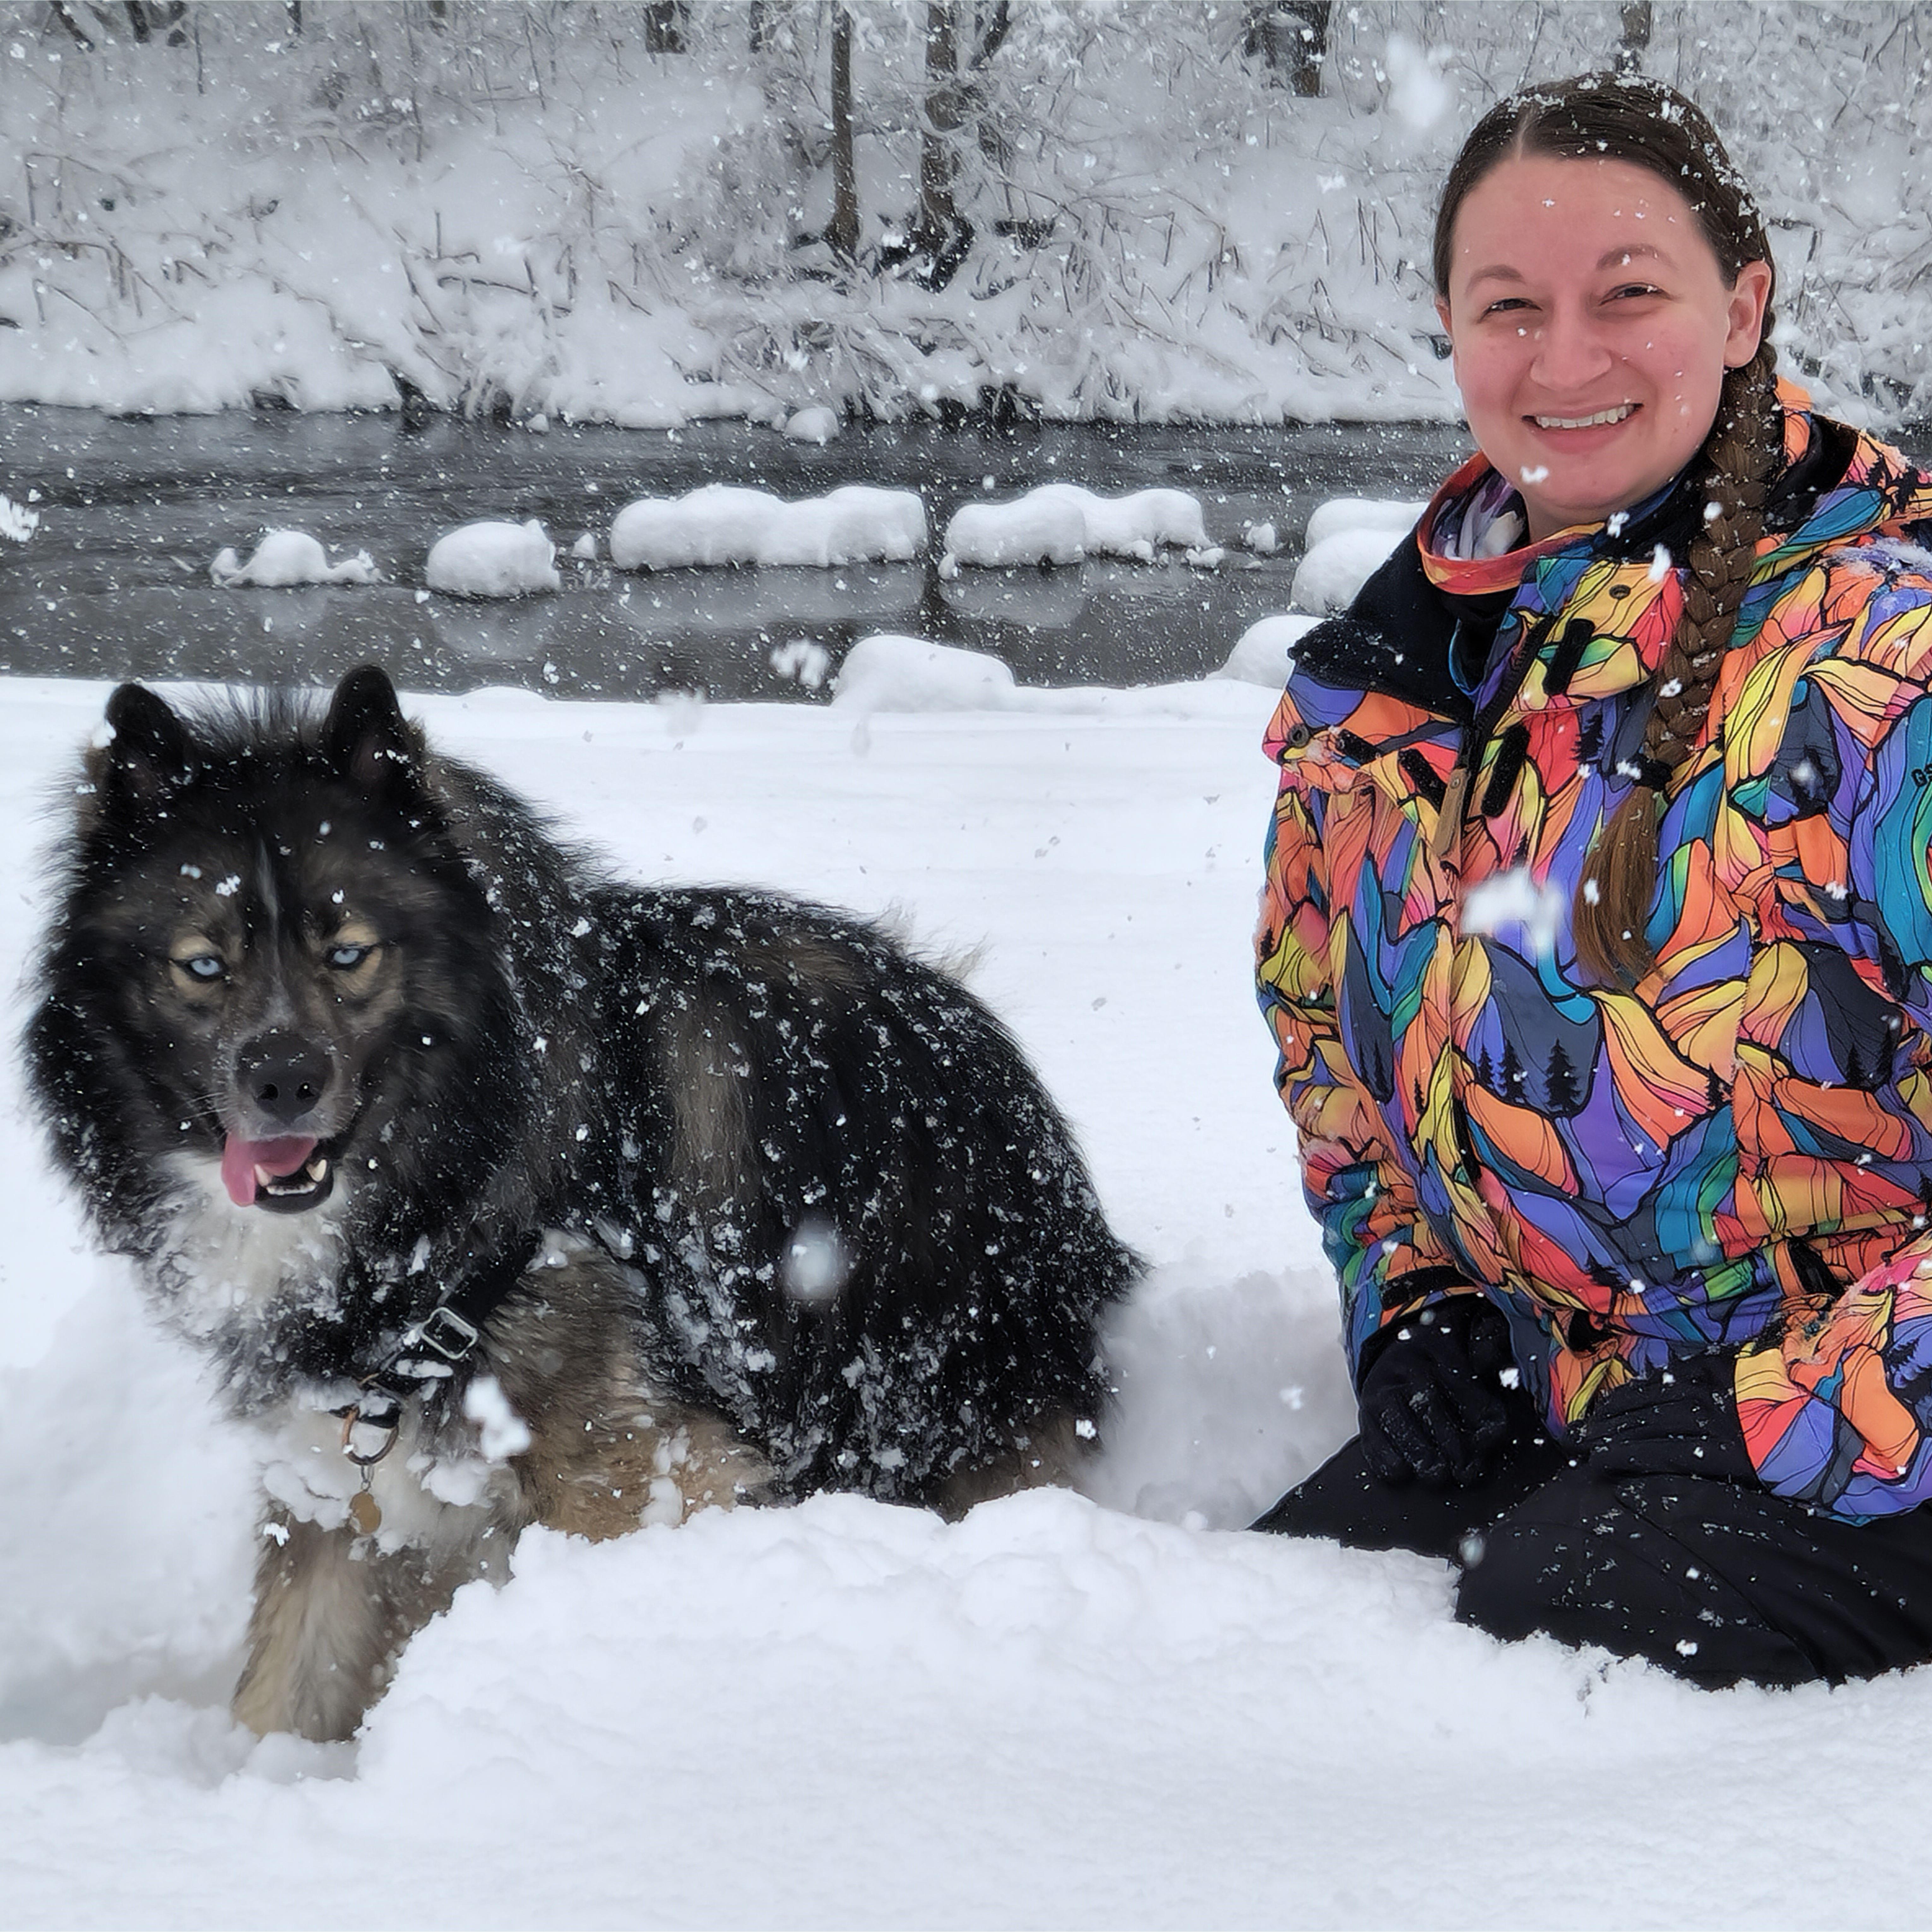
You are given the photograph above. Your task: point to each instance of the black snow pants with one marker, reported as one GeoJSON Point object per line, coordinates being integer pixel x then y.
{"type": "Point", "coordinates": [1650, 1534]}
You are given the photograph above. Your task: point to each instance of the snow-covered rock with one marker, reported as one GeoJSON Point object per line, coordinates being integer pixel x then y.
{"type": "Point", "coordinates": [1261, 655]}
{"type": "Point", "coordinates": [816, 424]}
{"type": "Point", "coordinates": [1348, 539]}
{"type": "Point", "coordinates": [493, 559]}
{"type": "Point", "coordinates": [1025, 532]}
{"type": "Point", "coordinates": [724, 523]}
{"type": "Point", "coordinates": [887, 672]}
{"type": "Point", "coordinates": [1062, 522]}
{"type": "Point", "coordinates": [1337, 514]}
{"type": "Point", "coordinates": [287, 557]}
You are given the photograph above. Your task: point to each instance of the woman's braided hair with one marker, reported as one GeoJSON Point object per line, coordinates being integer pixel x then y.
{"type": "Point", "coordinates": [1595, 117]}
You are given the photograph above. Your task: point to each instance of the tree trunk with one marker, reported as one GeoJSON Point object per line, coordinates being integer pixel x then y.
{"type": "Point", "coordinates": [1635, 41]}
{"type": "Point", "coordinates": [843, 234]}
{"type": "Point", "coordinates": [1292, 36]}
{"type": "Point", "coordinates": [940, 121]}
{"type": "Point", "coordinates": [664, 26]}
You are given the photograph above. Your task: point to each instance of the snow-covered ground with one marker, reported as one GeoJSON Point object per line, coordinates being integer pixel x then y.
{"type": "Point", "coordinates": [1114, 1709]}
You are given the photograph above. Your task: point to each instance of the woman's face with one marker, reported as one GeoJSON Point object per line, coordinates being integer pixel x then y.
{"type": "Point", "coordinates": [1592, 329]}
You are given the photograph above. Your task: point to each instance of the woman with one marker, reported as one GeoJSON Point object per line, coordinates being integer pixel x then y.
{"type": "Point", "coordinates": [1597, 947]}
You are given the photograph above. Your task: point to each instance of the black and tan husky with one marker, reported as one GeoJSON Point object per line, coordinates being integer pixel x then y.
{"type": "Point", "coordinates": [502, 1193]}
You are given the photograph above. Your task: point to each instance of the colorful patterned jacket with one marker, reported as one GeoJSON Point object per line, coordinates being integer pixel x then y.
{"type": "Point", "coordinates": [1736, 1154]}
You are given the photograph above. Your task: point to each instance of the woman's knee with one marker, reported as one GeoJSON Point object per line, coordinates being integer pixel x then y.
{"type": "Point", "coordinates": [1585, 1563]}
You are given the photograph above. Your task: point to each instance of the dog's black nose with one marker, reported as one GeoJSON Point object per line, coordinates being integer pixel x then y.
{"type": "Point", "coordinates": [283, 1075]}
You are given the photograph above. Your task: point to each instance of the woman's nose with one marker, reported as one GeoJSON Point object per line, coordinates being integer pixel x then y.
{"type": "Point", "coordinates": [1570, 352]}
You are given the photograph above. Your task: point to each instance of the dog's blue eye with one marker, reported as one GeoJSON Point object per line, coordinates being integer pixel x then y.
{"type": "Point", "coordinates": [346, 959]}
{"type": "Point", "coordinates": [205, 966]}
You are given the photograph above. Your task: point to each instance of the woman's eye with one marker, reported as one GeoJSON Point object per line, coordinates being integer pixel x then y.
{"type": "Point", "coordinates": [1629, 289]}
{"type": "Point", "coordinates": [1508, 305]}
{"type": "Point", "coordinates": [346, 959]}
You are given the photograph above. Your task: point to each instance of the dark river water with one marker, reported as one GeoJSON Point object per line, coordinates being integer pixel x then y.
{"type": "Point", "coordinates": [115, 581]}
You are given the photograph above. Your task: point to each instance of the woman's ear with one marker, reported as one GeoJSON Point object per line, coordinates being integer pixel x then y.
{"type": "Point", "coordinates": [1750, 294]}
{"type": "Point", "coordinates": [1442, 316]}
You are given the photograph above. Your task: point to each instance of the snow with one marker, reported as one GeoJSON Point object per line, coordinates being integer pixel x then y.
{"type": "Point", "coordinates": [725, 524]}
{"type": "Point", "coordinates": [1098, 1710]}
{"type": "Point", "coordinates": [283, 558]}
{"type": "Point", "coordinates": [1348, 540]}
{"type": "Point", "coordinates": [1036, 529]}
{"type": "Point", "coordinates": [539, 216]}
{"type": "Point", "coordinates": [1340, 514]}
{"type": "Point", "coordinates": [1261, 653]}
{"type": "Point", "coordinates": [17, 522]}
{"type": "Point", "coordinates": [1062, 522]}
{"type": "Point", "coordinates": [1420, 95]}
{"type": "Point", "coordinates": [817, 424]}
{"type": "Point", "coordinates": [889, 673]}
{"type": "Point", "coordinates": [493, 560]}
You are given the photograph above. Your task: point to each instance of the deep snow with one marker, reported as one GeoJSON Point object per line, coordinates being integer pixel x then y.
{"type": "Point", "coordinates": [1063, 1711]}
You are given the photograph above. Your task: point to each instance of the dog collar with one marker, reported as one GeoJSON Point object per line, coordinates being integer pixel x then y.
{"type": "Point", "coordinates": [430, 1350]}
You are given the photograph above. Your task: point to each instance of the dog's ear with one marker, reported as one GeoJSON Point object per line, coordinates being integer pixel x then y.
{"type": "Point", "coordinates": [148, 757]}
{"type": "Point", "coordinates": [365, 738]}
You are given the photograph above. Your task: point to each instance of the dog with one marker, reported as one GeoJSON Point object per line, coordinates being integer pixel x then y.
{"type": "Point", "coordinates": [500, 1192]}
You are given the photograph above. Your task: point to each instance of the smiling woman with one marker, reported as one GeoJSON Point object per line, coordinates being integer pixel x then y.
{"type": "Point", "coordinates": [1597, 944]}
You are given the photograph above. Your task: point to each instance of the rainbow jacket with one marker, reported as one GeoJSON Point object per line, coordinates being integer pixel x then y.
{"type": "Point", "coordinates": [1734, 1155]}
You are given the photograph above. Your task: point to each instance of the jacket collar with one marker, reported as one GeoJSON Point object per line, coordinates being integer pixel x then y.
{"type": "Point", "coordinates": [1837, 484]}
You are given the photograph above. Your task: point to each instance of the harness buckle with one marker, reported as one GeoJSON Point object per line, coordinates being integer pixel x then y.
{"type": "Point", "coordinates": [448, 1333]}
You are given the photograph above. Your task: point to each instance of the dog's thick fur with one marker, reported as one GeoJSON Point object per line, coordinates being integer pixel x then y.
{"type": "Point", "coordinates": [329, 1025]}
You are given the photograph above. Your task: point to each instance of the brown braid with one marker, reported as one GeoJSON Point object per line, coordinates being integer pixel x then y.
{"type": "Point", "coordinates": [1739, 462]}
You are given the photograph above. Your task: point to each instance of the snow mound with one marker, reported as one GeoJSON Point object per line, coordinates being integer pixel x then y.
{"type": "Point", "coordinates": [1328, 577]}
{"type": "Point", "coordinates": [1338, 514]}
{"type": "Point", "coordinates": [723, 523]}
{"type": "Point", "coordinates": [816, 424]}
{"type": "Point", "coordinates": [889, 673]}
{"type": "Point", "coordinates": [1348, 539]}
{"type": "Point", "coordinates": [287, 557]}
{"type": "Point", "coordinates": [493, 559]}
{"type": "Point", "coordinates": [1261, 653]}
{"type": "Point", "coordinates": [1061, 523]}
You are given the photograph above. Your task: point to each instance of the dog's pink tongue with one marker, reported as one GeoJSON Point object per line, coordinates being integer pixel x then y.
{"type": "Point", "coordinates": [240, 1159]}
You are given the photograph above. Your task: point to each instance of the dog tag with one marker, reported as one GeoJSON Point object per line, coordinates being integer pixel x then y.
{"type": "Point", "coordinates": [366, 1511]}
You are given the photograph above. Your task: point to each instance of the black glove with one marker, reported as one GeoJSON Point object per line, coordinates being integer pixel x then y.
{"type": "Point", "coordinates": [1431, 1402]}
{"type": "Point", "coordinates": [1681, 1419]}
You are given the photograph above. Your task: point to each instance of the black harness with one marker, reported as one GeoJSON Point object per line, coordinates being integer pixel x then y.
{"type": "Point", "coordinates": [430, 1350]}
